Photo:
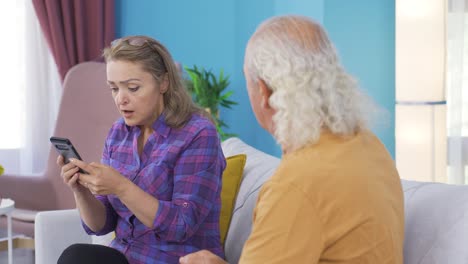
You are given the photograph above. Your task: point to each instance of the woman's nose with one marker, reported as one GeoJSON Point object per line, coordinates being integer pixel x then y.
{"type": "Point", "coordinates": [121, 98]}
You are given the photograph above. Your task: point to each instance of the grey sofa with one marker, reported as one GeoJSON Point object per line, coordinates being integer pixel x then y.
{"type": "Point", "coordinates": [436, 217]}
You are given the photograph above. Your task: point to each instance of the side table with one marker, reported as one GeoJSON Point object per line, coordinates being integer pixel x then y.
{"type": "Point", "coordinates": [6, 207]}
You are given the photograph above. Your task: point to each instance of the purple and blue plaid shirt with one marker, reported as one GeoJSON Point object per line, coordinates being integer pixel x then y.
{"type": "Point", "coordinates": [182, 168]}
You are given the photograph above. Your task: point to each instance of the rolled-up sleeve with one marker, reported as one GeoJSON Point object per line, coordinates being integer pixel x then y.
{"type": "Point", "coordinates": [197, 186]}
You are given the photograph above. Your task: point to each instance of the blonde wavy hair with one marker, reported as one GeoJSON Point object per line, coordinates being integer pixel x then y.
{"type": "Point", "coordinates": [311, 92]}
{"type": "Point", "coordinates": [156, 60]}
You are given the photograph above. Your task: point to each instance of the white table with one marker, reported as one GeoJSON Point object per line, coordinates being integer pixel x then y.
{"type": "Point", "coordinates": [6, 207]}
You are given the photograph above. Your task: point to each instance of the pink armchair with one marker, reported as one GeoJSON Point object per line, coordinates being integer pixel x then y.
{"type": "Point", "coordinates": [85, 116]}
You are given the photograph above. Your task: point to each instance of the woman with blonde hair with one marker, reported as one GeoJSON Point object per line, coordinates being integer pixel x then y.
{"type": "Point", "coordinates": [159, 181]}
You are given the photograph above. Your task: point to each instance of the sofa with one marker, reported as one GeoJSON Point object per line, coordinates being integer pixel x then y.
{"type": "Point", "coordinates": [436, 220]}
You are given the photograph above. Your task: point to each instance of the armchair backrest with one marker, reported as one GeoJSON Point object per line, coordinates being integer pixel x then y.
{"type": "Point", "coordinates": [86, 114]}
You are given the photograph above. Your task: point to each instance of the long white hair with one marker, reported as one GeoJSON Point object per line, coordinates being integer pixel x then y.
{"type": "Point", "coordinates": [311, 92]}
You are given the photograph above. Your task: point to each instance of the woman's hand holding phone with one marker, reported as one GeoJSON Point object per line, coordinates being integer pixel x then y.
{"type": "Point", "coordinates": [70, 174]}
{"type": "Point", "coordinates": [100, 179]}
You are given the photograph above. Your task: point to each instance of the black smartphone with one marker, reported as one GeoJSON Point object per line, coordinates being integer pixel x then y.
{"type": "Point", "coordinates": [65, 148]}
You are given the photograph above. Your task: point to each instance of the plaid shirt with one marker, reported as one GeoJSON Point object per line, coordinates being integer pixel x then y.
{"type": "Point", "coordinates": [182, 168]}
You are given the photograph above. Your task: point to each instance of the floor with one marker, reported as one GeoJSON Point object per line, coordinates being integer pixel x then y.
{"type": "Point", "coordinates": [20, 256]}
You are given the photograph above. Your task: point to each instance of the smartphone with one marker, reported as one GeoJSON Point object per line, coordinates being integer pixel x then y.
{"type": "Point", "coordinates": [65, 148]}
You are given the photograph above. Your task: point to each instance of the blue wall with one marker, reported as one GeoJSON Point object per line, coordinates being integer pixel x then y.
{"type": "Point", "coordinates": [364, 34]}
{"type": "Point", "coordinates": [213, 34]}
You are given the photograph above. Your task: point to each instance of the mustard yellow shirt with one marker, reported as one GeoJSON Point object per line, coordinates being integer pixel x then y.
{"type": "Point", "coordinates": [338, 201]}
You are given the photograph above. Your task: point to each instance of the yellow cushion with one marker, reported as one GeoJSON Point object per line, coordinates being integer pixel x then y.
{"type": "Point", "coordinates": [232, 176]}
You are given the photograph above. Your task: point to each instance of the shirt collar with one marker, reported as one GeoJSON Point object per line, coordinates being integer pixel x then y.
{"type": "Point", "coordinates": [160, 126]}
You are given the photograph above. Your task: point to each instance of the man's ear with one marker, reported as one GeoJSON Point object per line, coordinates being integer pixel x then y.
{"type": "Point", "coordinates": [265, 93]}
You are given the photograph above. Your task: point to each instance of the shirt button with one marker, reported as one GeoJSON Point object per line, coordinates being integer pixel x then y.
{"type": "Point", "coordinates": [185, 205]}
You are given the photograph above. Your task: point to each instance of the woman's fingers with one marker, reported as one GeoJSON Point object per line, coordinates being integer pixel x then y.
{"type": "Point", "coordinates": [97, 165]}
{"type": "Point", "coordinates": [67, 175]}
{"type": "Point", "coordinates": [88, 179]}
{"type": "Point", "coordinates": [83, 165]}
{"type": "Point", "coordinates": [60, 160]}
{"type": "Point", "coordinates": [68, 166]}
{"type": "Point", "coordinates": [99, 179]}
{"type": "Point", "coordinates": [70, 173]}
{"type": "Point", "coordinates": [87, 185]}
{"type": "Point", "coordinates": [74, 179]}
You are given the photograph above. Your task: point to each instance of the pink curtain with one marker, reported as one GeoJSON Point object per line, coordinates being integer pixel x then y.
{"type": "Point", "coordinates": [76, 30]}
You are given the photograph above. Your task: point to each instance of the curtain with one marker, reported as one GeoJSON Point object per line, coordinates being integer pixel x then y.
{"type": "Point", "coordinates": [457, 91]}
{"type": "Point", "coordinates": [76, 30]}
{"type": "Point", "coordinates": [43, 91]}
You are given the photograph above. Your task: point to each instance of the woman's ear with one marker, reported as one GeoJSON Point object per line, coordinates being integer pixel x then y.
{"type": "Point", "coordinates": [164, 84]}
{"type": "Point", "coordinates": [265, 93]}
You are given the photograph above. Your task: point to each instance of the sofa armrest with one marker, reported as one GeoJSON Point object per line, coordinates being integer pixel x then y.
{"type": "Point", "coordinates": [436, 223]}
{"type": "Point", "coordinates": [258, 169]}
{"type": "Point", "coordinates": [56, 230]}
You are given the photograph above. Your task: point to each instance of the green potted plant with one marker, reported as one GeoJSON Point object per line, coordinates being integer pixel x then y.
{"type": "Point", "coordinates": [209, 92]}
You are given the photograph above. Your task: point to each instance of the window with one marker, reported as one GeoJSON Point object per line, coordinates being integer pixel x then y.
{"type": "Point", "coordinates": [432, 90]}
{"type": "Point", "coordinates": [12, 92]}
{"type": "Point", "coordinates": [457, 90]}
{"type": "Point", "coordinates": [30, 90]}
{"type": "Point", "coordinates": [420, 90]}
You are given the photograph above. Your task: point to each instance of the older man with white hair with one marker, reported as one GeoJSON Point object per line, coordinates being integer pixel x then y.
{"type": "Point", "coordinates": [336, 197]}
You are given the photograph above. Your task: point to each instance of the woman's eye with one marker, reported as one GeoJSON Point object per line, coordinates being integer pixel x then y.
{"type": "Point", "coordinates": [133, 89]}
{"type": "Point", "coordinates": [114, 89]}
